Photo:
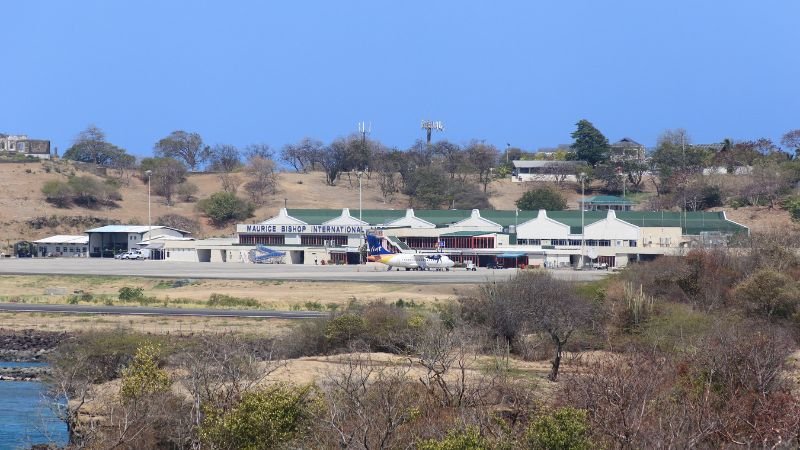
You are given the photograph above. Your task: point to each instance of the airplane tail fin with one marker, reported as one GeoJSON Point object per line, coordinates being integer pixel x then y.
{"type": "Point", "coordinates": [375, 246]}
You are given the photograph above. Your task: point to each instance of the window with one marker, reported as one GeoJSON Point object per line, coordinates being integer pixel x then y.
{"type": "Point", "coordinates": [319, 240]}
{"type": "Point", "coordinates": [591, 242]}
{"type": "Point", "coordinates": [58, 249]}
{"type": "Point", "coordinates": [558, 242]}
{"type": "Point", "coordinates": [264, 239]}
{"type": "Point", "coordinates": [529, 241]}
{"type": "Point", "coordinates": [574, 242]}
{"type": "Point", "coordinates": [632, 243]}
{"type": "Point", "coordinates": [604, 243]}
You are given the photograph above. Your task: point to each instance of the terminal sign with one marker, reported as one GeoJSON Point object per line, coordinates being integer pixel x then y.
{"type": "Point", "coordinates": [301, 229]}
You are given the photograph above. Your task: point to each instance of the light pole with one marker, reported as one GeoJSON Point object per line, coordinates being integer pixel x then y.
{"type": "Point", "coordinates": [149, 216]}
{"type": "Point", "coordinates": [582, 175]}
{"type": "Point", "coordinates": [359, 174]}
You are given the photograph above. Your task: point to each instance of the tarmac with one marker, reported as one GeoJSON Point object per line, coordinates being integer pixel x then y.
{"type": "Point", "coordinates": [366, 273]}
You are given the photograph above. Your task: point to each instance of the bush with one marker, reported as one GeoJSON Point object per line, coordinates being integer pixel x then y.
{"type": "Point", "coordinates": [468, 439]}
{"type": "Point", "coordinates": [186, 191]}
{"type": "Point", "coordinates": [84, 191]}
{"type": "Point", "coordinates": [129, 294]}
{"type": "Point", "coordinates": [57, 193]}
{"type": "Point", "coordinates": [542, 198]}
{"type": "Point", "coordinates": [225, 207]}
{"type": "Point", "coordinates": [266, 419]}
{"type": "Point", "coordinates": [564, 429]}
{"type": "Point", "coordinates": [227, 301]}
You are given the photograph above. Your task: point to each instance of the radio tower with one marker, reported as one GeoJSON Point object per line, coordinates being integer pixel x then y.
{"type": "Point", "coordinates": [430, 125]}
{"type": "Point", "coordinates": [364, 129]}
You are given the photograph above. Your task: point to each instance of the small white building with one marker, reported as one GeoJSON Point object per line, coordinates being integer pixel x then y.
{"type": "Point", "coordinates": [63, 245]}
{"type": "Point", "coordinates": [557, 171]}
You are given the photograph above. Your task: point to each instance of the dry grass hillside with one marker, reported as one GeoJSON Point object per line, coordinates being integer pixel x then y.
{"type": "Point", "coordinates": [22, 200]}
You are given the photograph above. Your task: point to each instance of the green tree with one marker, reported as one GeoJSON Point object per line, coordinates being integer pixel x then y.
{"type": "Point", "coordinates": [261, 420]}
{"type": "Point", "coordinates": [90, 146]}
{"type": "Point", "coordinates": [590, 145]}
{"type": "Point", "coordinates": [143, 376]}
{"type": "Point", "coordinates": [542, 198]}
{"type": "Point", "coordinates": [428, 187]}
{"type": "Point", "coordinates": [792, 140]}
{"type": "Point", "coordinates": [185, 147]}
{"type": "Point", "coordinates": [564, 429]}
{"type": "Point", "coordinates": [467, 439]}
{"type": "Point", "coordinates": [225, 207]}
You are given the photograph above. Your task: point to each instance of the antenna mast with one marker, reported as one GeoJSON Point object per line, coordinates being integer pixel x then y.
{"type": "Point", "coordinates": [364, 129]}
{"type": "Point", "coordinates": [430, 125]}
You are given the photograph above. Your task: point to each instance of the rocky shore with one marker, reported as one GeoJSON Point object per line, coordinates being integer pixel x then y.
{"type": "Point", "coordinates": [22, 373]}
{"type": "Point", "coordinates": [28, 345]}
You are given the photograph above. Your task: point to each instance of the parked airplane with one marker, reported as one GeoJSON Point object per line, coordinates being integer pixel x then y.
{"type": "Point", "coordinates": [408, 261]}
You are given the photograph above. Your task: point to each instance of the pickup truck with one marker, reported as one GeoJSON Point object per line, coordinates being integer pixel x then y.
{"type": "Point", "coordinates": [133, 254]}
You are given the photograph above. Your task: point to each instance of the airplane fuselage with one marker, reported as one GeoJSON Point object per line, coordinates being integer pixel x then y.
{"type": "Point", "coordinates": [415, 261]}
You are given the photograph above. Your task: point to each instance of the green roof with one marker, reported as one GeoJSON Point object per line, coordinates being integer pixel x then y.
{"type": "Point", "coordinates": [607, 200]}
{"type": "Point", "coordinates": [691, 222]}
{"type": "Point", "coordinates": [465, 233]}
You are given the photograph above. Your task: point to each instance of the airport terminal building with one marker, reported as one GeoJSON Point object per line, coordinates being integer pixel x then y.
{"type": "Point", "coordinates": [511, 238]}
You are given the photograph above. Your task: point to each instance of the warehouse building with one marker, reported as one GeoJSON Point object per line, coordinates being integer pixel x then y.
{"type": "Point", "coordinates": [486, 237]}
{"type": "Point", "coordinates": [109, 240]}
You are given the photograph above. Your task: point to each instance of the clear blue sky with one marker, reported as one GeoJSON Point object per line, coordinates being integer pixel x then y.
{"type": "Point", "coordinates": [519, 72]}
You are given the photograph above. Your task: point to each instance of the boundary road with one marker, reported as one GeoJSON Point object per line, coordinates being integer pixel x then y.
{"type": "Point", "coordinates": [368, 273]}
{"type": "Point", "coordinates": [149, 311]}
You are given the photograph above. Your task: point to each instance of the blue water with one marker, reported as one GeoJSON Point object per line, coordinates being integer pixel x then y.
{"type": "Point", "coordinates": [25, 417]}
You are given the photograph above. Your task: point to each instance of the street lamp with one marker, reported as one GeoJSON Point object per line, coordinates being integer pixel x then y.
{"type": "Point", "coordinates": [582, 176]}
{"type": "Point", "coordinates": [359, 174]}
{"type": "Point", "coordinates": [149, 216]}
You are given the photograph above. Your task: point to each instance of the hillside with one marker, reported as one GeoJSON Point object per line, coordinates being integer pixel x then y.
{"type": "Point", "coordinates": [23, 200]}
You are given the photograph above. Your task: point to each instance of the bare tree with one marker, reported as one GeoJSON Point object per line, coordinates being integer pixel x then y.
{"type": "Point", "coordinates": [258, 150]}
{"type": "Point", "coordinates": [219, 369]}
{"type": "Point", "coordinates": [263, 179]}
{"type": "Point", "coordinates": [230, 182]}
{"type": "Point", "coordinates": [183, 146]}
{"type": "Point", "coordinates": [224, 158]}
{"type": "Point", "coordinates": [166, 174]}
{"type": "Point", "coordinates": [368, 403]}
{"type": "Point", "coordinates": [536, 302]}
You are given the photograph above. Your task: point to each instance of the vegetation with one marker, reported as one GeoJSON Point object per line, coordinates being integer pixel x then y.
{"type": "Point", "coordinates": [225, 207]}
{"type": "Point", "coordinates": [542, 198]}
{"type": "Point", "coordinates": [85, 191]}
{"type": "Point", "coordinates": [685, 352]}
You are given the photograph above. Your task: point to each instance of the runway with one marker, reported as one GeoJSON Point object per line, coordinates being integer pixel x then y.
{"type": "Point", "coordinates": [150, 311]}
{"type": "Point", "coordinates": [368, 273]}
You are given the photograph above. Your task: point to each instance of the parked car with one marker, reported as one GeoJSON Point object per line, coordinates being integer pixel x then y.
{"type": "Point", "coordinates": [495, 265]}
{"type": "Point", "coordinates": [133, 254]}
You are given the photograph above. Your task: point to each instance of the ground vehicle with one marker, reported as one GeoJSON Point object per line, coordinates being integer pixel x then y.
{"type": "Point", "coordinates": [495, 265]}
{"type": "Point", "coordinates": [470, 265]}
{"type": "Point", "coordinates": [133, 254]}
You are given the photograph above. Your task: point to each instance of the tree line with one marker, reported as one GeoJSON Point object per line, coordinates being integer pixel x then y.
{"type": "Point", "coordinates": [448, 175]}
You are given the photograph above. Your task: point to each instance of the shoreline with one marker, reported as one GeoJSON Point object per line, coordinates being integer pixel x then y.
{"type": "Point", "coordinates": [26, 346]}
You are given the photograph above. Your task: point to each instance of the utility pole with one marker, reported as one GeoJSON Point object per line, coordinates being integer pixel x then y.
{"type": "Point", "coordinates": [149, 216]}
{"type": "Point", "coordinates": [583, 206]}
{"type": "Point", "coordinates": [683, 157]}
